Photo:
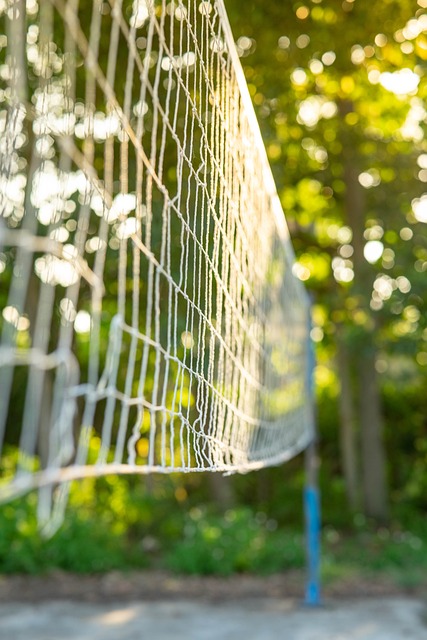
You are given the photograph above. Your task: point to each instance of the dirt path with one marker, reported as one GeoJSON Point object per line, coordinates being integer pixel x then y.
{"type": "Point", "coordinates": [159, 606]}
{"type": "Point", "coordinates": [156, 585]}
{"type": "Point", "coordinates": [256, 619]}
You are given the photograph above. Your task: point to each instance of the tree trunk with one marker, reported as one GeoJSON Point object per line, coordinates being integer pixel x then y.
{"type": "Point", "coordinates": [375, 494]}
{"type": "Point", "coordinates": [221, 491]}
{"type": "Point", "coordinates": [373, 455]}
{"type": "Point", "coordinates": [348, 436]}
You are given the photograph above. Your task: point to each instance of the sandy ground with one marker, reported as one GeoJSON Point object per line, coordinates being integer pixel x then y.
{"type": "Point", "coordinates": [159, 606]}
{"type": "Point", "coordinates": [259, 619]}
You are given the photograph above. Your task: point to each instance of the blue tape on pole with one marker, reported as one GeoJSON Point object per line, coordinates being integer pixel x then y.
{"type": "Point", "coordinates": [311, 493]}
{"type": "Point", "coordinates": [312, 514]}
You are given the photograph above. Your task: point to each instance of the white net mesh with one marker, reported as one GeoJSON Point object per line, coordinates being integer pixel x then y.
{"type": "Point", "coordinates": [146, 282]}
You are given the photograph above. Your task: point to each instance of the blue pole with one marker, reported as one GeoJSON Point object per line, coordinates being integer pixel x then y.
{"type": "Point", "coordinates": [311, 493]}
{"type": "Point", "coordinates": [312, 515]}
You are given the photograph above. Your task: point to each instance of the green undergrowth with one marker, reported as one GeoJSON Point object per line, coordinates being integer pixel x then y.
{"type": "Point", "coordinates": [396, 554]}
{"type": "Point", "coordinates": [234, 542]}
{"type": "Point", "coordinates": [168, 522]}
{"type": "Point", "coordinates": [197, 542]}
{"type": "Point", "coordinates": [114, 524]}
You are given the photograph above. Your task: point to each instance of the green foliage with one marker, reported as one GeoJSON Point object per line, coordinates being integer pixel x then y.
{"type": "Point", "coordinates": [87, 542]}
{"type": "Point", "coordinates": [120, 522]}
{"type": "Point", "coordinates": [114, 524]}
{"type": "Point", "coordinates": [201, 540]}
{"type": "Point", "coordinates": [394, 553]}
{"type": "Point", "coordinates": [237, 541]}
{"type": "Point", "coordinates": [80, 546]}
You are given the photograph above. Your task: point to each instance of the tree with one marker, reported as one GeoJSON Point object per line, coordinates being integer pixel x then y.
{"type": "Point", "coordinates": [340, 106]}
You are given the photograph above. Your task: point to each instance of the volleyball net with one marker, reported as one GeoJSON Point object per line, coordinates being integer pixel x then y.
{"type": "Point", "coordinates": [150, 320]}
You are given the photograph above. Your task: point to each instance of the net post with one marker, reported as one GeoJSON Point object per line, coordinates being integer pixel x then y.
{"type": "Point", "coordinates": [311, 491]}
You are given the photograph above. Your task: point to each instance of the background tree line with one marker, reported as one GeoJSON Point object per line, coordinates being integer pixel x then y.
{"type": "Point", "coordinates": [339, 92]}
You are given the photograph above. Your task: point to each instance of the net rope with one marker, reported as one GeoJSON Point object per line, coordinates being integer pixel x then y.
{"type": "Point", "coordinates": [150, 317]}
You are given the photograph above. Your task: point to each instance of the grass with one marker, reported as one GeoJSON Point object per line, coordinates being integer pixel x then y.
{"type": "Point", "coordinates": [123, 530]}
{"type": "Point", "coordinates": [114, 523]}
{"type": "Point", "coordinates": [396, 555]}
